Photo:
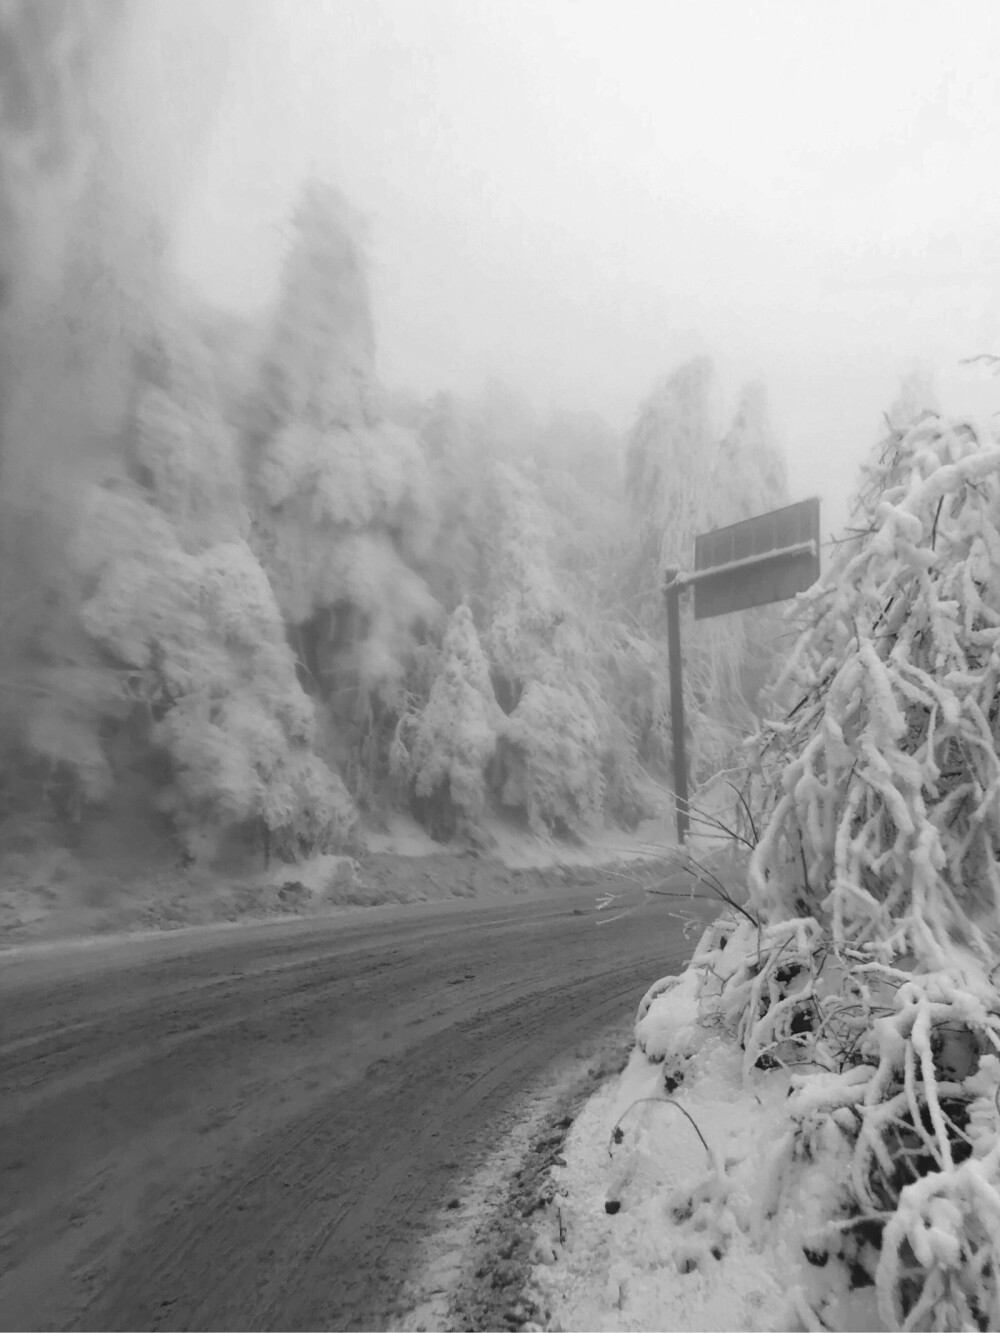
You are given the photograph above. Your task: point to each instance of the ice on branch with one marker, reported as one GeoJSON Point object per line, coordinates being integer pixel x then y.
{"type": "Point", "coordinates": [886, 770]}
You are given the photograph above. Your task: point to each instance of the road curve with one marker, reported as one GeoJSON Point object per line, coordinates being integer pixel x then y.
{"type": "Point", "coordinates": [249, 1128]}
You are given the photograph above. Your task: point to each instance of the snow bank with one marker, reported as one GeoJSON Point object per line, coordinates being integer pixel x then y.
{"type": "Point", "coordinates": [678, 1253]}
{"type": "Point", "coordinates": [804, 1137]}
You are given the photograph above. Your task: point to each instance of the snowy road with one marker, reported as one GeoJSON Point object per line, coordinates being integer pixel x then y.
{"type": "Point", "coordinates": [252, 1128]}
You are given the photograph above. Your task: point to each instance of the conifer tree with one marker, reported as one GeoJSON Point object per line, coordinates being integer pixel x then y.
{"type": "Point", "coordinates": [441, 754]}
{"type": "Point", "coordinates": [669, 463]}
{"type": "Point", "coordinates": [339, 495]}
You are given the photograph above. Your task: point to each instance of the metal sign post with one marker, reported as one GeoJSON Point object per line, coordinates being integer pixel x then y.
{"type": "Point", "coordinates": [672, 591]}
{"type": "Point", "coordinates": [765, 559]}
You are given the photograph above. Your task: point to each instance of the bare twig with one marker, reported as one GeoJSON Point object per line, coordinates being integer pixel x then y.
{"type": "Point", "coordinates": [617, 1133]}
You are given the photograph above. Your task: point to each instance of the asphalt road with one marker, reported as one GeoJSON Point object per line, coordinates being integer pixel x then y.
{"type": "Point", "coordinates": [251, 1128]}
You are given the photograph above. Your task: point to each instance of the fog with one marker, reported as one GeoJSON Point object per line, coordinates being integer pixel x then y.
{"type": "Point", "coordinates": [572, 196]}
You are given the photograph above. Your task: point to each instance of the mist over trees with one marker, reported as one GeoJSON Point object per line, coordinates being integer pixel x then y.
{"type": "Point", "coordinates": [250, 595]}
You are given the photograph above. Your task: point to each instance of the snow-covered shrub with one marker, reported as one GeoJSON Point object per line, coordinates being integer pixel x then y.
{"type": "Point", "coordinates": [893, 1082]}
{"type": "Point", "coordinates": [668, 1024]}
{"type": "Point", "coordinates": [938, 1265]}
{"type": "Point", "coordinates": [871, 978]}
{"type": "Point", "coordinates": [886, 821]}
{"type": "Point", "coordinates": [915, 1123]}
{"type": "Point", "coordinates": [441, 753]}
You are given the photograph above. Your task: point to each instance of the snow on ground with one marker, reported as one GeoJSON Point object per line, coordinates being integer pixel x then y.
{"type": "Point", "coordinates": [138, 884]}
{"type": "Point", "coordinates": [639, 1268]}
{"type": "Point", "coordinates": [651, 1229]}
{"type": "Point", "coordinates": [50, 892]}
{"type": "Point", "coordinates": [401, 835]}
{"type": "Point", "coordinates": [513, 846]}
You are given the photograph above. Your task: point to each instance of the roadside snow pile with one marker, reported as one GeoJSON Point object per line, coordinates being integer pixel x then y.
{"type": "Point", "coordinates": [322, 878]}
{"type": "Point", "coordinates": [805, 1137]}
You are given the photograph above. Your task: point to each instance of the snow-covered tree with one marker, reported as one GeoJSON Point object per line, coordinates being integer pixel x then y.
{"type": "Point", "coordinates": [614, 666]}
{"type": "Point", "coordinates": [340, 496]}
{"type": "Point", "coordinates": [734, 656]}
{"type": "Point", "coordinates": [201, 641]}
{"type": "Point", "coordinates": [681, 481]}
{"type": "Point", "coordinates": [916, 397]}
{"type": "Point", "coordinates": [580, 475]}
{"type": "Point", "coordinates": [877, 880]}
{"type": "Point", "coordinates": [551, 763]}
{"type": "Point", "coordinates": [441, 754]}
{"type": "Point", "coordinates": [87, 288]}
{"type": "Point", "coordinates": [887, 819]}
{"type": "Point", "coordinates": [669, 465]}
{"type": "Point", "coordinates": [527, 604]}
{"type": "Point", "coordinates": [456, 563]}
{"type": "Point", "coordinates": [181, 447]}
{"type": "Point", "coordinates": [552, 751]}
{"type": "Point", "coordinates": [749, 473]}
{"type": "Point", "coordinates": [319, 364]}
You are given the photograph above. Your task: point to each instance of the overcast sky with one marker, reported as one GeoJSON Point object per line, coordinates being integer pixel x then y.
{"type": "Point", "coordinates": [574, 195]}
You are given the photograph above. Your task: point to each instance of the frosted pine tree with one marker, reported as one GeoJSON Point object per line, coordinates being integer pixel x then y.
{"type": "Point", "coordinates": [339, 495]}
{"type": "Point", "coordinates": [530, 524]}
{"type": "Point", "coordinates": [319, 366]}
{"type": "Point", "coordinates": [197, 639]}
{"type": "Point", "coordinates": [66, 365]}
{"type": "Point", "coordinates": [668, 467]}
{"type": "Point", "coordinates": [617, 667]}
{"type": "Point", "coordinates": [556, 737]}
{"type": "Point", "coordinates": [668, 464]}
{"type": "Point", "coordinates": [528, 606]}
{"type": "Point", "coordinates": [458, 561]}
{"type": "Point", "coordinates": [749, 475]}
{"type": "Point", "coordinates": [440, 754]}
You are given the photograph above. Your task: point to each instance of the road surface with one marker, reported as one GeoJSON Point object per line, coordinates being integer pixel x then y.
{"type": "Point", "coordinates": [251, 1128]}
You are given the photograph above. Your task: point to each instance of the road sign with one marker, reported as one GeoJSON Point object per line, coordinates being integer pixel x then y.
{"type": "Point", "coordinates": [764, 559]}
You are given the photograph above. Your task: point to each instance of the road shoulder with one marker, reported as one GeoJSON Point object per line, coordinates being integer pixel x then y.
{"type": "Point", "coordinates": [474, 1269]}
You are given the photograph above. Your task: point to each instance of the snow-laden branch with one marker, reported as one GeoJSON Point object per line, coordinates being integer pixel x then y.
{"type": "Point", "coordinates": [885, 772]}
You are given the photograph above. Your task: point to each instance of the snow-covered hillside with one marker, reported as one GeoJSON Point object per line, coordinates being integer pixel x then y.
{"type": "Point", "coordinates": [269, 597]}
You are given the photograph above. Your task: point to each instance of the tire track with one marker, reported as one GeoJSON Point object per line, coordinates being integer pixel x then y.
{"type": "Point", "coordinates": [256, 1134]}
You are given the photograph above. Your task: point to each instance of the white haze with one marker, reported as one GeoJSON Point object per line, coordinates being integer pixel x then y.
{"type": "Point", "coordinates": [573, 196]}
